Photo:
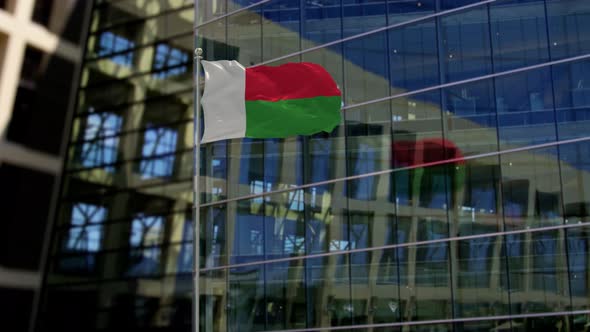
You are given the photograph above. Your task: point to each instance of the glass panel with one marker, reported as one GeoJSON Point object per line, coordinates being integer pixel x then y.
{"type": "Point", "coordinates": [321, 22]}
{"type": "Point", "coordinates": [572, 98]}
{"type": "Point", "coordinates": [531, 189]}
{"type": "Point", "coordinates": [413, 57]}
{"type": "Point", "coordinates": [362, 15]}
{"type": "Point", "coordinates": [427, 293]}
{"type": "Point", "coordinates": [212, 39]}
{"type": "Point", "coordinates": [139, 33]}
{"type": "Point", "coordinates": [470, 118]}
{"type": "Point", "coordinates": [247, 308]}
{"type": "Point", "coordinates": [569, 21]}
{"type": "Point", "coordinates": [405, 10]}
{"type": "Point", "coordinates": [365, 69]}
{"type": "Point", "coordinates": [578, 250]}
{"type": "Point", "coordinates": [525, 109]}
{"type": "Point", "coordinates": [537, 271]}
{"type": "Point", "coordinates": [163, 59]}
{"type": "Point", "coordinates": [476, 196]}
{"type": "Point", "coordinates": [280, 28]}
{"type": "Point", "coordinates": [285, 292]}
{"type": "Point", "coordinates": [575, 167]}
{"type": "Point", "coordinates": [519, 34]}
{"type": "Point", "coordinates": [465, 48]}
{"type": "Point", "coordinates": [214, 301]}
{"type": "Point", "coordinates": [244, 31]}
{"type": "Point", "coordinates": [478, 271]}
{"type": "Point", "coordinates": [369, 148]}
{"type": "Point", "coordinates": [210, 9]}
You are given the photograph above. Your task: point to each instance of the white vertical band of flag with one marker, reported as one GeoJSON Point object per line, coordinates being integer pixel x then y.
{"type": "Point", "coordinates": [226, 86]}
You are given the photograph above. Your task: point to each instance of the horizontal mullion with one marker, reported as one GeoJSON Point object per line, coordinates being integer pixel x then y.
{"type": "Point", "coordinates": [395, 246]}
{"type": "Point", "coordinates": [400, 169]}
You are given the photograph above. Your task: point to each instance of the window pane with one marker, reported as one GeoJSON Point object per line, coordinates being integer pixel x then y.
{"type": "Point", "coordinates": [569, 22]}
{"type": "Point", "coordinates": [365, 69]}
{"type": "Point", "coordinates": [470, 117]}
{"type": "Point", "coordinates": [531, 189]}
{"type": "Point", "coordinates": [244, 31]}
{"type": "Point", "coordinates": [525, 109]}
{"type": "Point", "coordinates": [478, 272]}
{"type": "Point", "coordinates": [321, 22]}
{"type": "Point", "coordinates": [362, 15]}
{"type": "Point", "coordinates": [465, 45]}
{"type": "Point", "coordinates": [413, 57]}
{"type": "Point", "coordinates": [572, 98]}
{"type": "Point", "coordinates": [519, 33]}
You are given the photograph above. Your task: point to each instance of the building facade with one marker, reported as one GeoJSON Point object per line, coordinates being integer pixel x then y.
{"type": "Point", "coordinates": [452, 197]}
{"type": "Point", "coordinates": [40, 54]}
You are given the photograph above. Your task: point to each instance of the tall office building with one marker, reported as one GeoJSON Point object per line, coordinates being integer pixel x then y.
{"type": "Point", "coordinates": [40, 52]}
{"type": "Point", "coordinates": [452, 197]}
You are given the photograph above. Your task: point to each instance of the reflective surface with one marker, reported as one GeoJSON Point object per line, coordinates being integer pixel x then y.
{"type": "Point", "coordinates": [465, 230]}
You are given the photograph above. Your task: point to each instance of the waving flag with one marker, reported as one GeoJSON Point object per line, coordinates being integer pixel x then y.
{"type": "Point", "coordinates": [268, 102]}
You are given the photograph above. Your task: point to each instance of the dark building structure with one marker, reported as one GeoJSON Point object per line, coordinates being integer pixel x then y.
{"type": "Point", "coordinates": [41, 45]}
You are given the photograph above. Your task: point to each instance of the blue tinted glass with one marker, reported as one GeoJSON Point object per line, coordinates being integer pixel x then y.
{"type": "Point", "coordinates": [569, 24]}
{"type": "Point", "coordinates": [100, 146]}
{"type": "Point", "coordinates": [471, 117]}
{"type": "Point", "coordinates": [465, 49]}
{"type": "Point", "coordinates": [146, 234]}
{"type": "Point", "coordinates": [169, 61]}
{"type": "Point", "coordinates": [321, 22]}
{"type": "Point", "coordinates": [85, 233]}
{"type": "Point", "coordinates": [450, 4]}
{"type": "Point", "coordinates": [404, 10]}
{"type": "Point", "coordinates": [578, 247]}
{"type": "Point", "coordinates": [111, 43]}
{"type": "Point", "coordinates": [368, 145]}
{"type": "Point", "coordinates": [159, 144]}
{"type": "Point", "coordinates": [362, 15]}
{"type": "Point", "coordinates": [525, 108]}
{"type": "Point", "coordinates": [413, 57]}
{"type": "Point", "coordinates": [84, 237]}
{"type": "Point", "coordinates": [519, 33]}
{"type": "Point", "coordinates": [365, 68]}
{"type": "Point", "coordinates": [572, 98]}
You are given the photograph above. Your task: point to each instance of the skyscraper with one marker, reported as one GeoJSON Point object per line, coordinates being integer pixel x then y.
{"type": "Point", "coordinates": [452, 197]}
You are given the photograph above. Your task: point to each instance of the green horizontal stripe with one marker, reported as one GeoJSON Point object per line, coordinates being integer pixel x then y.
{"type": "Point", "coordinates": [284, 118]}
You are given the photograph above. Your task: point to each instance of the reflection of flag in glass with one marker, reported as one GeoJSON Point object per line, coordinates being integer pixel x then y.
{"type": "Point", "coordinates": [424, 152]}
{"type": "Point", "coordinates": [428, 150]}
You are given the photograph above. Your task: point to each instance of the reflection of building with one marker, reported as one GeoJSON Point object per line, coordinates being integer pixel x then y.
{"type": "Point", "coordinates": [494, 241]}
{"type": "Point", "coordinates": [40, 54]}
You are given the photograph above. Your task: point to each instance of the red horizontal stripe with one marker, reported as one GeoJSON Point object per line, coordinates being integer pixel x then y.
{"type": "Point", "coordinates": [289, 81]}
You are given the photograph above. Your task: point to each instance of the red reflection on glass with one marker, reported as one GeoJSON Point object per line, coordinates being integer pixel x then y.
{"type": "Point", "coordinates": [425, 151]}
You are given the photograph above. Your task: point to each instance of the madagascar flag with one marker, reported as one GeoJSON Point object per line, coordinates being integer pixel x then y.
{"type": "Point", "coordinates": [268, 102]}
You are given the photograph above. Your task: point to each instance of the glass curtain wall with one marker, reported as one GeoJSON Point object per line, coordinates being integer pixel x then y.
{"type": "Point", "coordinates": [472, 116]}
{"type": "Point", "coordinates": [475, 115]}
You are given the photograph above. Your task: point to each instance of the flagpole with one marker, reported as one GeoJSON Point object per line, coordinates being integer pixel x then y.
{"type": "Point", "coordinates": [196, 191]}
